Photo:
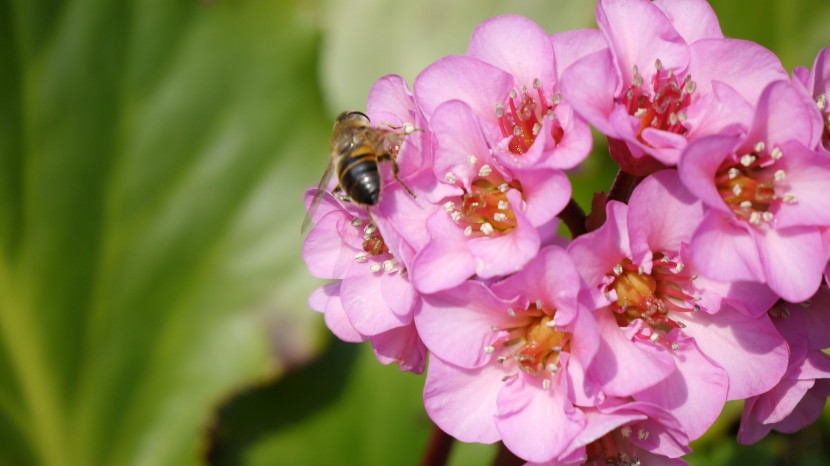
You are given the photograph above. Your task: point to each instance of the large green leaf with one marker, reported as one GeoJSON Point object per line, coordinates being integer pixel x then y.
{"type": "Point", "coordinates": [152, 160]}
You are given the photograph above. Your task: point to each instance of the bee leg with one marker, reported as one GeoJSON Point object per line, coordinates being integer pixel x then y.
{"type": "Point", "coordinates": [395, 170]}
{"type": "Point", "coordinates": [338, 194]}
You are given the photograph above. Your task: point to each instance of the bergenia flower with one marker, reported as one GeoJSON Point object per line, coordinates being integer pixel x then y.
{"type": "Point", "coordinates": [491, 216]}
{"type": "Point", "coordinates": [504, 368]}
{"type": "Point", "coordinates": [372, 298]}
{"type": "Point", "coordinates": [509, 78]}
{"type": "Point", "coordinates": [799, 398]}
{"type": "Point", "coordinates": [627, 433]}
{"type": "Point", "coordinates": [638, 264]}
{"type": "Point", "coordinates": [816, 84]}
{"type": "Point", "coordinates": [767, 198]}
{"type": "Point", "coordinates": [668, 77]}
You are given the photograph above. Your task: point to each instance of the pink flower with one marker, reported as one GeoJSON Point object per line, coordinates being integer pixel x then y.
{"type": "Point", "coordinates": [767, 198]}
{"type": "Point", "coordinates": [816, 84]}
{"type": "Point", "coordinates": [798, 399]}
{"type": "Point", "coordinates": [509, 78]}
{"type": "Point", "coordinates": [627, 433]}
{"type": "Point", "coordinates": [505, 368]}
{"type": "Point", "coordinates": [372, 299]}
{"type": "Point", "coordinates": [491, 216]}
{"type": "Point", "coordinates": [667, 77]}
{"type": "Point", "coordinates": [682, 330]}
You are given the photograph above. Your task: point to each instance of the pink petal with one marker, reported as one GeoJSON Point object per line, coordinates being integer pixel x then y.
{"type": "Point", "coordinates": [536, 424]}
{"type": "Point", "coordinates": [745, 66]}
{"type": "Point", "coordinates": [751, 350]}
{"type": "Point", "coordinates": [462, 402]}
{"type": "Point", "coordinates": [806, 412]}
{"type": "Point", "coordinates": [779, 402]}
{"type": "Point", "coordinates": [401, 346]}
{"type": "Point", "coordinates": [626, 24]}
{"type": "Point", "coordinates": [457, 325]}
{"type": "Point", "coordinates": [479, 84]}
{"type": "Point", "coordinates": [693, 19]}
{"type": "Point", "coordinates": [458, 136]}
{"type": "Point", "coordinates": [699, 164]}
{"type": "Point", "coordinates": [444, 262]}
{"type": "Point", "coordinates": [807, 174]}
{"type": "Point", "coordinates": [325, 253]}
{"type": "Point", "coordinates": [623, 367]}
{"type": "Point", "coordinates": [507, 253]}
{"type": "Point", "coordinates": [391, 95]}
{"type": "Point", "coordinates": [576, 141]}
{"type": "Point", "coordinates": [724, 251]}
{"type": "Point", "coordinates": [571, 46]}
{"type": "Point", "coordinates": [664, 146]}
{"type": "Point", "coordinates": [362, 299]}
{"type": "Point", "coordinates": [596, 253]}
{"type": "Point", "coordinates": [547, 192]}
{"type": "Point", "coordinates": [589, 86]}
{"type": "Point", "coordinates": [398, 294]}
{"type": "Point", "coordinates": [721, 111]}
{"type": "Point", "coordinates": [793, 260]}
{"type": "Point", "coordinates": [516, 45]}
{"type": "Point", "coordinates": [334, 316]}
{"type": "Point", "coordinates": [694, 393]}
{"type": "Point", "coordinates": [779, 106]}
{"type": "Point", "coordinates": [662, 215]}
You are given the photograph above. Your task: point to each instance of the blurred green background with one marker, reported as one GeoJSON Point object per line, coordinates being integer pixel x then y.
{"type": "Point", "coordinates": [153, 156]}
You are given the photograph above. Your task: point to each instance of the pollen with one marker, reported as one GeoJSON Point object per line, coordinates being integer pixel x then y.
{"type": "Point", "coordinates": [751, 184]}
{"type": "Point", "coordinates": [484, 210]}
{"type": "Point", "coordinates": [521, 117]}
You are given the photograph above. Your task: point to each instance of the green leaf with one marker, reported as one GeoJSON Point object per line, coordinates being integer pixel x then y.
{"type": "Point", "coordinates": [344, 409]}
{"type": "Point", "coordinates": [152, 160]}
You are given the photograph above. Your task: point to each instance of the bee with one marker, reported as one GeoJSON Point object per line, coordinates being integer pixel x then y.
{"type": "Point", "coordinates": [356, 148]}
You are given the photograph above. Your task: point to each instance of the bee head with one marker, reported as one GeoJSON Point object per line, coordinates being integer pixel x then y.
{"type": "Point", "coordinates": [353, 116]}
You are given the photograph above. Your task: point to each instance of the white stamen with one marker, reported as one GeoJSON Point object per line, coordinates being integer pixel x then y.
{"type": "Point", "coordinates": [556, 99]}
{"type": "Point", "coordinates": [546, 384]}
{"type": "Point", "coordinates": [767, 216]}
{"type": "Point", "coordinates": [681, 115]}
{"type": "Point", "coordinates": [468, 231]}
{"type": "Point", "coordinates": [486, 228]}
{"type": "Point", "coordinates": [776, 154]}
{"type": "Point", "coordinates": [640, 112]}
{"type": "Point", "coordinates": [760, 146]}
{"type": "Point", "coordinates": [370, 229]}
{"type": "Point", "coordinates": [450, 178]}
{"type": "Point", "coordinates": [538, 304]}
{"type": "Point", "coordinates": [641, 270]}
{"type": "Point", "coordinates": [746, 204]}
{"type": "Point", "coordinates": [536, 128]}
{"type": "Point", "coordinates": [537, 83]}
{"type": "Point", "coordinates": [789, 198]}
{"type": "Point", "coordinates": [553, 368]}
{"type": "Point", "coordinates": [550, 115]}
{"type": "Point", "coordinates": [449, 206]}
{"type": "Point", "coordinates": [733, 173]}
{"type": "Point", "coordinates": [374, 267]}
{"type": "Point", "coordinates": [625, 431]}
{"type": "Point", "coordinates": [517, 131]}
{"type": "Point", "coordinates": [654, 337]}
{"type": "Point", "coordinates": [504, 187]}
{"type": "Point", "coordinates": [499, 110]}
{"type": "Point", "coordinates": [513, 93]}
{"type": "Point", "coordinates": [821, 101]}
{"type": "Point", "coordinates": [389, 266]}
{"type": "Point", "coordinates": [489, 349]}
{"type": "Point", "coordinates": [504, 205]}
{"type": "Point", "coordinates": [675, 346]}
{"type": "Point", "coordinates": [780, 175]}
{"type": "Point", "coordinates": [472, 160]}
{"type": "Point", "coordinates": [618, 270]}
{"type": "Point", "coordinates": [737, 190]}
{"type": "Point", "coordinates": [673, 118]}
{"type": "Point", "coordinates": [690, 87]}
{"type": "Point", "coordinates": [755, 218]}
{"type": "Point", "coordinates": [455, 215]}
{"type": "Point", "coordinates": [408, 128]}
{"type": "Point", "coordinates": [499, 217]}
{"type": "Point", "coordinates": [658, 64]}
{"type": "Point", "coordinates": [747, 160]}
{"type": "Point", "coordinates": [485, 170]}
{"type": "Point", "coordinates": [642, 434]}
{"type": "Point", "coordinates": [511, 312]}
{"type": "Point", "coordinates": [361, 257]}
{"type": "Point", "coordinates": [550, 324]}
{"type": "Point", "coordinates": [356, 222]}
{"type": "Point", "coordinates": [679, 267]}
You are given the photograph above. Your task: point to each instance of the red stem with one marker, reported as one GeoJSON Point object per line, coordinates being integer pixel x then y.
{"type": "Point", "coordinates": [438, 449]}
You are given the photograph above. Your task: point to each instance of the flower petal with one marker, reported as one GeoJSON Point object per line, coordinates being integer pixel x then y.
{"type": "Point", "coordinates": [586, 87]}
{"type": "Point", "coordinates": [401, 346]}
{"type": "Point", "coordinates": [807, 174]}
{"type": "Point", "coordinates": [444, 262]}
{"type": "Point", "coordinates": [793, 260]}
{"type": "Point", "coordinates": [724, 251]}
{"type": "Point", "coordinates": [693, 19]}
{"type": "Point", "coordinates": [571, 46]}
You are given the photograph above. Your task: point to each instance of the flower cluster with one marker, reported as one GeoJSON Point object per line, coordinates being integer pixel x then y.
{"type": "Point", "coordinates": [701, 278]}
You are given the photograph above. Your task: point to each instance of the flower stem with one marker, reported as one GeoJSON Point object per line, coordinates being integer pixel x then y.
{"type": "Point", "coordinates": [438, 449]}
{"type": "Point", "coordinates": [574, 218]}
{"type": "Point", "coordinates": [623, 186]}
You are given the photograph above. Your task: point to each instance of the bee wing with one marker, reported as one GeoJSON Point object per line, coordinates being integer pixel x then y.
{"type": "Point", "coordinates": [318, 196]}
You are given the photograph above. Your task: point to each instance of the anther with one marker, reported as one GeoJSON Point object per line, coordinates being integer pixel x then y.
{"type": "Point", "coordinates": [679, 267]}
{"type": "Point", "coordinates": [618, 270]}
{"type": "Point", "coordinates": [746, 204]}
{"type": "Point", "coordinates": [755, 218]}
{"type": "Point", "coordinates": [759, 147]}
{"type": "Point", "coordinates": [537, 83]}
{"type": "Point", "coordinates": [789, 198]}
{"type": "Point", "coordinates": [696, 307]}
{"type": "Point", "coordinates": [389, 266]}
{"type": "Point", "coordinates": [675, 346]}
{"type": "Point", "coordinates": [681, 116]}
{"type": "Point", "coordinates": [546, 384]}
{"type": "Point", "coordinates": [370, 229]}
{"type": "Point", "coordinates": [499, 110]}
{"type": "Point", "coordinates": [513, 94]}
{"type": "Point", "coordinates": [737, 190]}
{"type": "Point", "coordinates": [640, 112]}
{"type": "Point", "coordinates": [449, 206]}
{"type": "Point", "coordinates": [356, 222]}
{"type": "Point", "coordinates": [821, 101]}
{"type": "Point", "coordinates": [374, 267]}
{"type": "Point", "coordinates": [780, 175]}
{"type": "Point", "coordinates": [468, 231]}
{"type": "Point", "coordinates": [472, 160]}
{"type": "Point", "coordinates": [556, 99]}
{"type": "Point", "coordinates": [658, 64]}
{"type": "Point", "coordinates": [654, 337]}
{"type": "Point", "coordinates": [485, 170]}
{"type": "Point", "coordinates": [450, 178]}
{"type": "Point", "coordinates": [511, 312]}
{"type": "Point", "coordinates": [642, 434]}
{"type": "Point", "coordinates": [504, 187]}
{"type": "Point", "coordinates": [733, 173]}
{"type": "Point", "coordinates": [504, 205]}
{"type": "Point", "coordinates": [538, 304]}
{"type": "Point", "coordinates": [767, 216]}
{"type": "Point", "coordinates": [625, 431]}
{"type": "Point", "coordinates": [536, 128]}
{"type": "Point", "coordinates": [361, 257]}
{"type": "Point", "coordinates": [747, 160]}
{"type": "Point", "coordinates": [690, 87]}
{"type": "Point", "coordinates": [776, 154]}
{"type": "Point", "coordinates": [486, 228]}
{"type": "Point", "coordinates": [550, 324]}
{"type": "Point", "coordinates": [499, 217]}
{"type": "Point", "coordinates": [455, 215]}
{"type": "Point", "coordinates": [489, 349]}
